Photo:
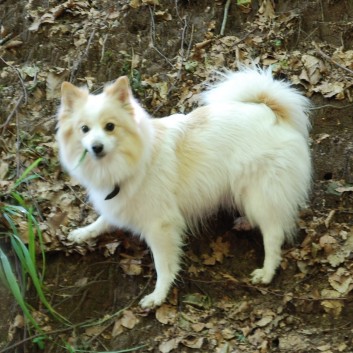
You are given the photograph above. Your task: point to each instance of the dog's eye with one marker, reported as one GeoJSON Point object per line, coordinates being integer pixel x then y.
{"type": "Point", "coordinates": [84, 129]}
{"type": "Point", "coordinates": [109, 127]}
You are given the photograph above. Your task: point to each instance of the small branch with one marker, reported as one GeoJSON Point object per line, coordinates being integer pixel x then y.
{"type": "Point", "coordinates": [153, 37]}
{"type": "Point", "coordinates": [225, 17]}
{"type": "Point", "coordinates": [332, 106]}
{"type": "Point", "coordinates": [183, 58]}
{"type": "Point", "coordinates": [18, 103]}
{"type": "Point", "coordinates": [103, 47]}
{"type": "Point", "coordinates": [190, 41]}
{"type": "Point", "coordinates": [18, 147]}
{"type": "Point", "coordinates": [76, 65]}
{"type": "Point", "coordinates": [326, 57]}
{"type": "Point", "coordinates": [25, 95]}
{"type": "Point", "coordinates": [182, 51]}
{"type": "Point", "coordinates": [262, 289]}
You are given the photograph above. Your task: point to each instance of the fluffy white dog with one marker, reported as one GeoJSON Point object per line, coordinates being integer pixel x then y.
{"type": "Point", "coordinates": [245, 149]}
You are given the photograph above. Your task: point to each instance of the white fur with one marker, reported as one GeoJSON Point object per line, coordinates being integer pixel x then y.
{"type": "Point", "coordinates": [235, 152]}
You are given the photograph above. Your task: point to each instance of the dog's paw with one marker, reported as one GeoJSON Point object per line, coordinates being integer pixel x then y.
{"type": "Point", "coordinates": [151, 301]}
{"type": "Point", "coordinates": [79, 236]}
{"type": "Point", "coordinates": [261, 275]}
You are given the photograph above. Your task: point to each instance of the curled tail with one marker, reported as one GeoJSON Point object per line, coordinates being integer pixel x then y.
{"type": "Point", "coordinates": [255, 85]}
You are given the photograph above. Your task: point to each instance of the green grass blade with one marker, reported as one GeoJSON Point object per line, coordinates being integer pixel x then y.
{"type": "Point", "coordinates": [81, 158]}
{"type": "Point", "coordinates": [10, 221]}
{"type": "Point", "coordinates": [28, 170]}
{"type": "Point", "coordinates": [30, 268]}
{"type": "Point", "coordinates": [29, 178]}
{"type": "Point", "coordinates": [11, 281]}
{"type": "Point", "coordinates": [14, 210]}
{"type": "Point", "coordinates": [38, 232]}
{"type": "Point", "coordinates": [31, 240]}
{"type": "Point", "coordinates": [3, 277]}
{"type": "Point", "coordinates": [17, 249]}
{"type": "Point", "coordinates": [20, 200]}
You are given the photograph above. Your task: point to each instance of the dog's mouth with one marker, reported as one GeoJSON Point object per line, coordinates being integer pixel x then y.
{"type": "Point", "coordinates": [98, 156]}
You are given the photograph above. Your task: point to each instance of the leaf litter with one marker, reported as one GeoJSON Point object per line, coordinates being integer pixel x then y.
{"type": "Point", "coordinates": [216, 309]}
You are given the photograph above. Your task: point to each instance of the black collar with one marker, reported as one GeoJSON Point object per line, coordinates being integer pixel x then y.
{"type": "Point", "coordinates": [113, 193]}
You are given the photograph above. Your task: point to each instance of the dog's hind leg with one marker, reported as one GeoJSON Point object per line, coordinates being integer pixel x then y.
{"type": "Point", "coordinates": [273, 238]}
{"type": "Point", "coordinates": [275, 216]}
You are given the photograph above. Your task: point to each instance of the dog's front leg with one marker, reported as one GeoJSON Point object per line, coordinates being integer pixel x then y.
{"type": "Point", "coordinates": [91, 231]}
{"type": "Point", "coordinates": [165, 245]}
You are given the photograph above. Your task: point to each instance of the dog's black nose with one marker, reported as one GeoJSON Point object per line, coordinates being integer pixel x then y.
{"type": "Point", "coordinates": [98, 148]}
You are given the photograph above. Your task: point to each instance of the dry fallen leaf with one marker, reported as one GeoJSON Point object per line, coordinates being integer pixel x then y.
{"type": "Point", "coordinates": [117, 328]}
{"type": "Point", "coordinates": [131, 267]}
{"type": "Point", "coordinates": [342, 252]}
{"type": "Point", "coordinates": [166, 314]}
{"type": "Point", "coordinates": [94, 330]}
{"type": "Point", "coordinates": [267, 8]}
{"type": "Point", "coordinates": [341, 281]}
{"type": "Point", "coordinates": [193, 342]}
{"type": "Point", "coordinates": [4, 168]}
{"type": "Point", "coordinates": [129, 319]}
{"type": "Point", "coordinates": [53, 84]}
{"type": "Point", "coordinates": [331, 89]}
{"type": "Point", "coordinates": [332, 307]}
{"type": "Point", "coordinates": [220, 249]}
{"type": "Point", "coordinates": [168, 346]}
{"type": "Point", "coordinates": [312, 69]}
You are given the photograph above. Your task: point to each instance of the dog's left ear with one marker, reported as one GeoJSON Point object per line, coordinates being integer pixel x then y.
{"type": "Point", "coordinates": [120, 89]}
{"type": "Point", "coordinates": [72, 95]}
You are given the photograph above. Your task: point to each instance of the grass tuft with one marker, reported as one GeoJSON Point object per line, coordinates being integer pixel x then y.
{"type": "Point", "coordinates": [14, 209]}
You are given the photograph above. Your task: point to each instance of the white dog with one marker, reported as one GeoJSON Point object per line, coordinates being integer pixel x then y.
{"type": "Point", "coordinates": [245, 149]}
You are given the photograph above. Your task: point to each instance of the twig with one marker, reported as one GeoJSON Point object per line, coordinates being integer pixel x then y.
{"type": "Point", "coordinates": [18, 103]}
{"type": "Point", "coordinates": [182, 49]}
{"type": "Point", "coordinates": [329, 218]}
{"type": "Point", "coordinates": [225, 16]}
{"type": "Point", "coordinates": [331, 106]}
{"type": "Point", "coordinates": [25, 95]}
{"type": "Point", "coordinates": [282, 295]}
{"type": "Point", "coordinates": [103, 47]}
{"type": "Point", "coordinates": [183, 58]}
{"type": "Point", "coordinates": [243, 38]}
{"type": "Point", "coordinates": [83, 202]}
{"type": "Point", "coordinates": [18, 146]}
{"type": "Point", "coordinates": [76, 65]}
{"type": "Point", "coordinates": [326, 57]}
{"type": "Point", "coordinates": [190, 41]}
{"type": "Point", "coordinates": [310, 34]}
{"type": "Point", "coordinates": [153, 38]}
{"type": "Point", "coordinates": [322, 11]}
{"type": "Point", "coordinates": [7, 38]}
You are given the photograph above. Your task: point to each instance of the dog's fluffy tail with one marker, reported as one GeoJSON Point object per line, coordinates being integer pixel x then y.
{"type": "Point", "coordinates": [255, 85]}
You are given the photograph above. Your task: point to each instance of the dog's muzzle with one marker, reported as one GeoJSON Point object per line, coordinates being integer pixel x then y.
{"type": "Point", "coordinates": [98, 150]}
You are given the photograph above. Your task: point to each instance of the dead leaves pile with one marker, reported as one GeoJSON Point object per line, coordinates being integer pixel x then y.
{"type": "Point", "coordinates": [265, 41]}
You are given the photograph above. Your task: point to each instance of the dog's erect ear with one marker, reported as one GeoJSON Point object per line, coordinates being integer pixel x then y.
{"type": "Point", "coordinates": [71, 94]}
{"type": "Point", "coordinates": [120, 89]}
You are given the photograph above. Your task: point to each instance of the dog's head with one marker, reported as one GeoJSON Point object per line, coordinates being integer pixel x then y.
{"type": "Point", "coordinates": [96, 131]}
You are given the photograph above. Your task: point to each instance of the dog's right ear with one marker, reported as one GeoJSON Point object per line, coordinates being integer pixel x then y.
{"type": "Point", "coordinates": [70, 95]}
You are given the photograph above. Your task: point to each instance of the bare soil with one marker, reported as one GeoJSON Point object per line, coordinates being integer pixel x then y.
{"type": "Point", "coordinates": [168, 51]}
